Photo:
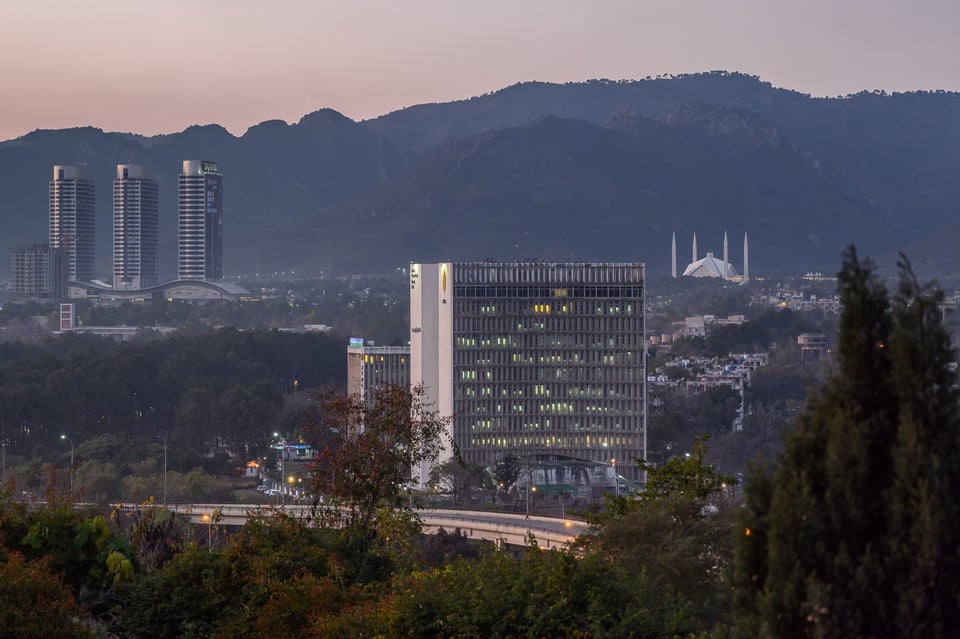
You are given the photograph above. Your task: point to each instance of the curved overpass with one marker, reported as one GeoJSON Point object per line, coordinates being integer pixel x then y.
{"type": "Point", "coordinates": [509, 528]}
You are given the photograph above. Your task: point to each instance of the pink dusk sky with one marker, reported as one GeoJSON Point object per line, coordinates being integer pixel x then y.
{"type": "Point", "coordinates": [157, 67]}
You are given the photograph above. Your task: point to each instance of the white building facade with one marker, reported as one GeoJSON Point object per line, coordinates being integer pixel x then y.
{"type": "Point", "coordinates": [136, 246]}
{"type": "Point", "coordinates": [200, 221]}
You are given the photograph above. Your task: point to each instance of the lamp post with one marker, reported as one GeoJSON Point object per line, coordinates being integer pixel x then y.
{"type": "Point", "coordinates": [529, 485]}
{"type": "Point", "coordinates": [3, 455]}
{"type": "Point", "coordinates": [71, 462]}
{"type": "Point", "coordinates": [616, 480]}
{"type": "Point", "coordinates": [209, 521]}
{"type": "Point", "coordinates": [283, 450]}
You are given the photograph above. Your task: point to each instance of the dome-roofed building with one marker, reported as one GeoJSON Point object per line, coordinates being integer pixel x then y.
{"type": "Point", "coordinates": [709, 266]}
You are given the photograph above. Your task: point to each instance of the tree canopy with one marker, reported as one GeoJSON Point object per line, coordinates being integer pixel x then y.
{"type": "Point", "coordinates": [856, 532]}
{"type": "Point", "coordinates": [368, 450]}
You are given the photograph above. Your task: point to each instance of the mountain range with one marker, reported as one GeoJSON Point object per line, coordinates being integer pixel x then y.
{"type": "Point", "coordinates": [597, 170]}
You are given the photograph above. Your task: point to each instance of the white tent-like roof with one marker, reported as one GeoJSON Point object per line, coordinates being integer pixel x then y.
{"type": "Point", "coordinates": [709, 266]}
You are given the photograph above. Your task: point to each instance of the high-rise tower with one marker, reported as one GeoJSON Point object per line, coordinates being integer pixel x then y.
{"type": "Point", "coordinates": [135, 220]}
{"type": "Point", "coordinates": [534, 359]}
{"type": "Point", "coordinates": [72, 221]}
{"type": "Point", "coordinates": [200, 221]}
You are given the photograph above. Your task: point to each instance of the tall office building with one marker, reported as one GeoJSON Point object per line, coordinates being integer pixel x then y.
{"type": "Point", "coordinates": [135, 237]}
{"type": "Point", "coordinates": [533, 359]}
{"type": "Point", "coordinates": [200, 221]}
{"type": "Point", "coordinates": [72, 221]}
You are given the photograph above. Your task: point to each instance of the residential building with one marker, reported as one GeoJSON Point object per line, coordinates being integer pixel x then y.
{"type": "Point", "coordinates": [73, 221]}
{"type": "Point", "coordinates": [539, 360]}
{"type": "Point", "coordinates": [36, 272]}
{"type": "Point", "coordinates": [135, 225]}
{"type": "Point", "coordinates": [200, 221]}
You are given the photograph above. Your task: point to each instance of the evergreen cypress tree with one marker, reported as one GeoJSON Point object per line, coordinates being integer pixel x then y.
{"type": "Point", "coordinates": [924, 530]}
{"type": "Point", "coordinates": [835, 533]}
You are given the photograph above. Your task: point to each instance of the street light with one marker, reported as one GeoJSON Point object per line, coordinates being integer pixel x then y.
{"type": "Point", "coordinates": [71, 462]}
{"type": "Point", "coordinates": [209, 521]}
{"type": "Point", "coordinates": [283, 450]}
{"type": "Point", "coordinates": [529, 484]}
{"type": "Point", "coordinates": [616, 480]}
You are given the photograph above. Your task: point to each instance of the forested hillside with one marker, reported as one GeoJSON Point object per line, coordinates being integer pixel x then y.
{"type": "Point", "coordinates": [329, 194]}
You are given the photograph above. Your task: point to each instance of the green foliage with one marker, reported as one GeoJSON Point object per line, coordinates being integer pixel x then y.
{"type": "Point", "coordinates": [34, 602]}
{"type": "Point", "coordinates": [677, 534]}
{"type": "Point", "coordinates": [461, 478]}
{"type": "Point", "coordinates": [367, 451]}
{"type": "Point", "coordinates": [80, 545]}
{"type": "Point", "coordinates": [544, 594]}
{"type": "Point", "coordinates": [189, 387]}
{"type": "Point", "coordinates": [270, 579]}
{"type": "Point", "coordinates": [856, 532]}
{"type": "Point", "coordinates": [685, 476]}
{"type": "Point", "coordinates": [155, 535]}
{"type": "Point", "coordinates": [506, 471]}
{"type": "Point", "coordinates": [683, 418]}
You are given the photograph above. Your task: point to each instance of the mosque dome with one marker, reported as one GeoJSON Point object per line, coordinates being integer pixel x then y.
{"type": "Point", "coordinates": [709, 266]}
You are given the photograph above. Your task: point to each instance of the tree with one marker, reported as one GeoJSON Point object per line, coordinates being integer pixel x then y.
{"type": "Point", "coordinates": [924, 526]}
{"type": "Point", "coordinates": [34, 602]}
{"type": "Point", "coordinates": [195, 417]}
{"type": "Point", "coordinates": [855, 533]}
{"type": "Point", "coordinates": [677, 535]}
{"type": "Point", "coordinates": [506, 471]}
{"type": "Point", "coordinates": [248, 412]}
{"type": "Point", "coordinates": [460, 477]}
{"type": "Point", "coordinates": [685, 476]}
{"type": "Point", "coordinates": [367, 451]}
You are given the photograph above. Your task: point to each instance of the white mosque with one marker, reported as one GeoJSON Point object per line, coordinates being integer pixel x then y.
{"type": "Point", "coordinates": [710, 266]}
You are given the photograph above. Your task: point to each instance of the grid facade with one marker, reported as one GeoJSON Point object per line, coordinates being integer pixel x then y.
{"type": "Point", "coordinates": [373, 367]}
{"type": "Point", "coordinates": [135, 224]}
{"type": "Point", "coordinates": [546, 359]}
{"type": "Point", "coordinates": [72, 221]}
{"type": "Point", "coordinates": [34, 272]}
{"type": "Point", "coordinates": [200, 221]}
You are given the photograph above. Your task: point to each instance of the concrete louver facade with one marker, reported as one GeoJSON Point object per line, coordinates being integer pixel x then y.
{"type": "Point", "coordinates": [533, 359]}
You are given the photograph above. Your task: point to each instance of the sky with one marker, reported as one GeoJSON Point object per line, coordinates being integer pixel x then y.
{"type": "Point", "coordinates": [160, 66]}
